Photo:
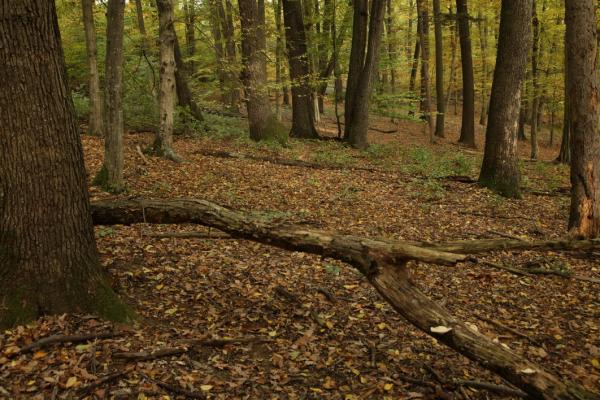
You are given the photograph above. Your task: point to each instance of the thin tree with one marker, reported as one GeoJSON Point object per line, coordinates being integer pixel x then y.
{"type": "Point", "coordinates": [535, 58]}
{"type": "Point", "coordinates": [467, 129]}
{"type": "Point", "coordinates": [110, 175]}
{"type": "Point", "coordinates": [49, 262]}
{"type": "Point", "coordinates": [261, 120]}
{"type": "Point", "coordinates": [163, 141]}
{"type": "Point", "coordinates": [95, 124]}
{"type": "Point", "coordinates": [391, 42]}
{"type": "Point", "coordinates": [583, 92]}
{"type": "Point", "coordinates": [362, 70]}
{"type": "Point", "coordinates": [189, 18]}
{"type": "Point", "coordinates": [303, 112]}
{"type": "Point", "coordinates": [500, 168]}
{"type": "Point", "coordinates": [564, 155]}
{"type": "Point", "coordinates": [482, 25]}
{"type": "Point", "coordinates": [439, 70]}
{"type": "Point", "coordinates": [425, 106]}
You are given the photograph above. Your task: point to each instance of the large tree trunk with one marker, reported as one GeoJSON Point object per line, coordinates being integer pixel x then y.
{"type": "Point", "coordinates": [500, 168]}
{"type": "Point", "coordinates": [564, 155]}
{"type": "Point", "coordinates": [163, 142]}
{"type": "Point", "coordinates": [439, 70]}
{"type": "Point", "coordinates": [48, 258]}
{"type": "Point", "coordinates": [95, 125]}
{"type": "Point", "coordinates": [584, 111]}
{"type": "Point", "coordinates": [482, 24]}
{"type": "Point", "coordinates": [110, 176]}
{"type": "Point", "coordinates": [303, 113]}
{"type": "Point", "coordinates": [423, 24]}
{"type": "Point", "coordinates": [357, 122]}
{"type": "Point", "coordinates": [254, 74]}
{"type": "Point", "coordinates": [382, 262]}
{"type": "Point", "coordinates": [467, 130]}
{"type": "Point", "coordinates": [357, 57]}
{"type": "Point", "coordinates": [535, 59]}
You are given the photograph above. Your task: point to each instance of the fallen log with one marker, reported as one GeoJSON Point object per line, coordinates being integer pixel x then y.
{"type": "Point", "coordinates": [487, 245]}
{"type": "Point", "coordinates": [382, 262]}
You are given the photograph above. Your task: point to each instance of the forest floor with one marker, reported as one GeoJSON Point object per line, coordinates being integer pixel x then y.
{"type": "Point", "coordinates": [314, 328]}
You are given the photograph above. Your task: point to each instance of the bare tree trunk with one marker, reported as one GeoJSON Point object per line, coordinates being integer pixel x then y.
{"type": "Point", "coordinates": [110, 176]}
{"type": "Point", "coordinates": [222, 65]}
{"type": "Point", "coordinates": [163, 142]}
{"type": "Point", "coordinates": [423, 24]}
{"type": "Point", "coordinates": [357, 122]}
{"type": "Point", "coordinates": [232, 86]}
{"type": "Point", "coordinates": [95, 126]}
{"type": "Point", "coordinates": [500, 168]}
{"type": "Point", "coordinates": [467, 130]}
{"type": "Point", "coordinates": [140, 18]}
{"type": "Point", "coordinates": [482, 23]}
{"type": "Point", "coordinates": [564, 155]}
{"type": "Point", "coordinates": [451, 81]}
{"type": "Point", "coordinates": [49, 262]}
{"type": "Point", "coordinates": [391, 50]}
{"type": "Point", "coordinates": [535, 58]}
{"type": "Point", "coordinates": [439, 70]}
{"type": "Point", "coordinates": [278, 55]}
{"type": "Point", "coordinates": [303, 113]}
{"type": "Point", "coordinates": [189, 17]}
{"type": "Point", "coordinates": [415, 63]}
{"type": "Point", "coordinates": [261, 121]}
{"type": "Point", "coordinates": [184, 95]}
{"type": "Point", "coordinates": [357, 58]}
{"type": "Point", "coordinates": [583, 92]}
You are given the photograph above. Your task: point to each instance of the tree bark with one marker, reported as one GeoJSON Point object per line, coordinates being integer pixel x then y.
{"type": "Point", "coordinates": [584, 111]}
{"type": "Point", "coordinates": [48, 258]}
{"type": "Point", "coordinates": [415, 63]}
{"type": "Point", "coordinates": [535, 58]}
{"type": "Point", "coordinates": [110, 176]}
{"type": "Point", "coordinates": [500, 169]}
{"type": "Point", "coordinates": [439, 70]}
{"type": "Point", "coordinates": [231, 85]}
{"type": "Point", "coordinates": [303, 113]}
{"type": "Point", "coordinates": [391, 50]}
{"type": "Point", "coordinates": [163, 142]}
{"type": "Point", "coordinates": [564, 155]}
{"type": "Point", "coordinates": [467, 130]}
{"type": "Point", "coordinates": [357, 57]}
{"type": "Point", "coordinates": [215, 25]}
{"type": "Point", "coordinates": [189, 17]}
{"type": "Point", "coordinates": [425, 107]}
{"type": "Point", "coordinates": [140, 17]}
{"type": "Point", "coordinates": [383, 263]}
{"type": "Point", "coordinates": [482, 23]}
{"type": "Point", "coordinates": [254, 73]}
{"type": "Point", "coordinates": [357, 122]}
{"type": "Point", "coordinates": [184, 95]}
{"type": "Point", "coordinates": [95, 125]}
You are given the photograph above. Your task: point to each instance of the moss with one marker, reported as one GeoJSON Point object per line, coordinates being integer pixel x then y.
{"type": "Point", "coordinates": [275, 131]}
{"type": "Point", "coordinates": [107, 304]}
{"type": "Point", "coordinates": [15, 310]}
{"type": "Point", "coordinates": [504, 189]}
{"type": "Point", "coordinates": [101, 181]}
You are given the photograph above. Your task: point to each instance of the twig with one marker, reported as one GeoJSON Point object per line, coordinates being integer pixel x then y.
{"type": "Point", "coordinates": [224, 342]}
{"type": "Point", "coordinates": [283, 292]}
{"type": "Point", "coordinates": [174, 389]}
{"type": "Point", "coordinates": [145, 356]}
{"type": "Point", "coordinates": [501, 389]}
{"type": "Point", "coordinates": [515, 271]}
{"type": "Point", "coordinates": [141, 153]}
{"type": "Point", "coordinates": [189, 235]}
{"type": "Point", "coordinates": [435, 374]}
{"type": "Point", "coordinates": [326, 293]}
{"type": "Point", "coordinates": [515, 332]}
{"type": "Point", "coordinates": [47, 341]}
{"type": "Point", "coordinates": [506, 235]}
{"type": "Point", "coordinates": [102, 381]}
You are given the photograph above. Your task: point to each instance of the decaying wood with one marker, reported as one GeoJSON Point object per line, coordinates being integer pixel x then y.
{"type": "Point", "coordinates": [487, 245]}
{"type": "Point", "coordinates": [383, 264]}
{"type": "Point", "coordinates": [47, 341]}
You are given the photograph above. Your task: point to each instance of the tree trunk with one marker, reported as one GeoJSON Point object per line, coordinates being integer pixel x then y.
{"type": "Point", "coordinates": [357, 58]}
{"type": "Point", "coordinates": [163, 142]}
{"type": "Point", "coordinates": [423, 24]}
{"type": "Point", "coordinates": [303, 116]}
{"type": "Point", "coordinates": [357, 122]}
{"type": "Point", "coordinates": [232, 83]}
{"type": "Point", "coordinates": [564, 155]}
{"type": "Point", "coordinates": [483, 33]}
{"type": "Point", "coordinates": [110, 176]}
{"type": "Point", "coordinates": [439, 70]}
{"type": "Point", "coordinates": [584, 111]}
{"type": "Point", "coordinates": [48, 258]}
{"type": "Point", "coordinates": [415, 63]}
{"type": "Point", "coordinates": [189, 17]}
{"type": "Point", "coordinates": [184, 95]}
{"type": "Point", "coordinates": [140, 17]}
{"type": "Point", "coordinates": [254, 73]}
{"type": "Point", "coordinates": [452, 79]}
{"type": "Point", "coordinates": [278, 55]}
{"type": "Point", "coordinates": [391, 50]}
{"type": "Point", "coordinates": [467, 130]}
{"type": "Point", "coordinates": [222, 65]}
{"type": "Point", "coordinates": [382, 262]}
{"type": "Point", "coordinates": [535, 58]}
{"type": "Point", "coordinates": [95, 126]}
{"type": "Point", "coordinates": [500, 168]}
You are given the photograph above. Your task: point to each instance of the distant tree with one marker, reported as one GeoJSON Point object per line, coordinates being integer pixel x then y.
{"type": "Point", "coordinates": [111, 174]}
{"type": "Point", "coordinates": [95, 124]}
{"type": "Point", "coordinates": [48, 258]}
{"type": "Point", "coordinates": [364, 57]}
{"type": "Point", "coordinates": [425, 105]}
{"type": "Point", "coordinates": [163, 141]}
{"type": "Point", "coordinates": [535, 87]}
{"type": "Point", "coordinates": [439, 70]}
{"type": "Point", "coordinates": [303, 113]}
{"type": "Point", "coordinates": [564, 155]}
{"type": "Point", "coordinates": [500, 168]}
{"type": "Point", "coordinates": [583, 94]}
{"type": "Point", "coordinates": [189, 18]}
{"type": "Point", "coordinates": [467, 129]}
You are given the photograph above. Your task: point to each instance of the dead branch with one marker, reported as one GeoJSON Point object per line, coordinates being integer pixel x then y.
{"type": "Point", "coordinates": [85, 390]}
{"type": "Point", "coordinates": [515, 332]}
{"type": "Point", "coordinates": [491, 387]}
{"type": "Point", "coordinates": [225, 341]}
{"type": "Point", "coordinates": [189, 235]}
{"type": "Point", "coordinates": [47, 341]}
{"type": "Point", "coordinates": [174, 389]}
{"type": "Point", "coordinates": [146, 356]}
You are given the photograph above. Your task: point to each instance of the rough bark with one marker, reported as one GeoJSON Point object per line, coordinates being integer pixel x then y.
{"type": "Point", "coordinates": [452, 78]}
{"type": "Point", "coordinates": [189, 18]}
{"type": "Point", "coordinates": [439, 70]}
{"type": "Point", "coordinates": [48, 258]}
{"type": "Point", "coordinates": [482, 24]}
{"type": "Point", "coordinates": [583, 93]}
{"type": "Point", "coordinates": [564, 155]}
{"type": "Point", "coordinates": [215, 27]}
{"type": "Point", "coordinates": [415, 63]}
{"type": "Point", "coordinates": [425, 105]}
{"type": "Point", "coordinates": [535, 58]}
{"type": "Point", "coordinates": [163, 141]}
{"type": "Point", "coordinates": [254, 71]}
{"type": "Point", "coordinates": [383, 264]}
{"type": "Point", "coordinates": [391, 42]}
{"type": "Point", "coordinates": [357, 122]}
{"type": "Point", "coordinates": [500, 169]}
{"type": "Point", "coordinates": [110, 176]}
{"type": "Point", "coordinates": [467, 129]}
{"type": "Point", "coordinates": [357, 57]}
{"type": "Point", "coordinates": [277, 11]}
{"type": "Point", "coordinates": [303, 113]}
{"type": "Point", "coordinates": [95, 124]}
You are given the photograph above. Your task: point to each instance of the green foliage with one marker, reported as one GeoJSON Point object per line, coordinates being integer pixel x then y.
{"type": "Point", "coordinates": [333, 154]}
{"type": "Point", "coordinates": [422, 161]}
{"type": "Point", "coordinates": [81, 104]}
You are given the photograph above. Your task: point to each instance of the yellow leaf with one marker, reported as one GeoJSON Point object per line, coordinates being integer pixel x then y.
{"type": "Point", "coordinates": [329, 324]}
{"type": "Point", "coordinates": [595, 363]}
{"type": "Point", "coordinates": [363, 379]}
{"type": "Point", "coordinates": [273, 333]}
{"type": "Point", "coordinates": [381, 325]}
{"type": "Point", "coordinates": [142, 396]}
{"type": "Point", "coordinates": [350, 397]}
{"type": "Point", "coordinates": [206, 388]}
{"type": "Point", "coordinates": [72, 381]}
{"type": "Point", "coordinates": [39, 354]}
{"type": "Point", "coordinates": [350, 287]}
{"type": "Point", "coordinates": [171, 311]}
{"type": "Point", "coordinates": [388, 386]}
{"type": "Point", "coordinates": [316, 390]}
{"type": "Point", "coordinates": [379, 306]}
{"type": "Point", "coordinates": [158, 287]}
